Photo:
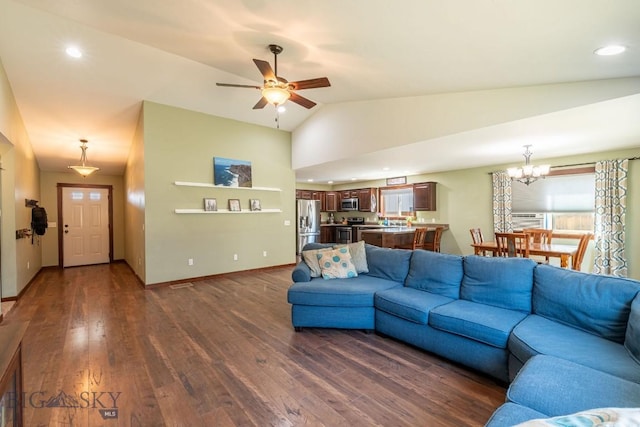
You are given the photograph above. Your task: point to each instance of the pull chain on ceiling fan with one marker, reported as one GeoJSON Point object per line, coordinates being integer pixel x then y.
{"type": "Point", "coordinates": [277, 90]}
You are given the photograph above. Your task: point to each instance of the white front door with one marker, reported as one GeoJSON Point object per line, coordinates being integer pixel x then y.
{"type": "Point", "coordinates": [85, 235]}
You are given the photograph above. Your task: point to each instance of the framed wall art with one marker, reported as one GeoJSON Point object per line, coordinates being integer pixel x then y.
{"type": "Point", "coordinates": [210, 205]}
{"type": "Point", "coordinates": [254, 204]}
{"type": "Point", "coordinates": [231, 172]}
{"type": "Point", "coordinates": [234, 205]}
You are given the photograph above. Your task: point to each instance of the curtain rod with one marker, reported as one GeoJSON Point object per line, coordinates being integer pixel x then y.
{"type": "Point", "coordinates": [582, 164]}
{"type": "Point", "coordinates": [587, 164]}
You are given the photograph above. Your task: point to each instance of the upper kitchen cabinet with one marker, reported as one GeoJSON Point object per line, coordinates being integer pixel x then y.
{"type": "Point", "coordinates": [331, 201]}
{"type": "Point", "coordinates": [304, 194]}
{"type": "Point", "coordinates": [424, 196]}
{"type": "Point", "coordinates": [368, 199]}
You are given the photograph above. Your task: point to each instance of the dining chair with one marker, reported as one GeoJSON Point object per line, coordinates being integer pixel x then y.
{"type": "Point", "coordinates": [576, 260]}
{"type": "Point", "coordinates": [539, 235]}
{"type": "Point", "coordinates": [434, 244]}
{"type": "Point", "coordinates": [513, 244]}
{"type": "Point", "coordinates": [476, 237]}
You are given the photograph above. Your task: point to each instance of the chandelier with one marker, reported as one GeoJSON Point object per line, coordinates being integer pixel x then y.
{"type": "Point", "coordinates": [82, 168]}
{"type": "Point", "coordinates": [528, 173]}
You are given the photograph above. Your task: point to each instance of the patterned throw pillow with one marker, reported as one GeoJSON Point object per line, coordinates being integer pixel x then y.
{"type": "Point", "coordinates": [336, 264]}
{"type": "Point", "coordinates": [592, 418]}
{"type": "Point", "coordinates": [358, 255]}
{"type": "Point", "coordinates": [311, 259]}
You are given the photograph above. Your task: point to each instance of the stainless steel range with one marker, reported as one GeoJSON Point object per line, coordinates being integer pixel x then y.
{"type": "Point", "coordinates": [347, 233]}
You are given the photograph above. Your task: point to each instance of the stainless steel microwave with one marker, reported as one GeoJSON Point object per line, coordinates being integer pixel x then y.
{"type": "Point", "coordinates": [349, 204]}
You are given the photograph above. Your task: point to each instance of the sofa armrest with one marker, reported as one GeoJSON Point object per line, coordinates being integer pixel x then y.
{"type": "Point", "coordinates": [554, 386]}
{"type": "Point", "coordinates": [301, 273]}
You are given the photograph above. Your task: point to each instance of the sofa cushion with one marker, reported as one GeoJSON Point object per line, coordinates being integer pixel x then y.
{"type": "Point", "coordinates": [497, 281]}
{"type": "Point", "coordinates": [632, 337]}
{"type": "Point", "coordinates": [510, 414]}
{"type": "Point", "coordinates": [385, 263]}
{"type": "Point", "coordinates": [593, 303]}
{"type": "Point", "coordinates": [336, 264]}
{"type": "Point", "coordinates": [408, 303]}
{"type": "Point", "coordinates": [354, 292]}
{"type": "Point", "coordinates": [435, 272]}
{"type": "Point", "coordinates": [484, 323]}
{"type": "Point", "coordinates": [555, 386]}
{"type": "Point", "coordinates": [310, 257]}
{"type": "Point", "coordinates": [358, 255]}
{"type": "Point", "coordinates": [538, 335]}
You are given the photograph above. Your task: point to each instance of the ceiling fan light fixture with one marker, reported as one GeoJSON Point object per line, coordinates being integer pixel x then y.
{"type": "Point", "coordinates": [610, 50]}
{"type": "Point", "coordinates": [276, 95]}
{"type": "Point", "coordinates": [82, 168]}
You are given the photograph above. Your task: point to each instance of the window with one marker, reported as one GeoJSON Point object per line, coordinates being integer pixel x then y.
{"type": "Point", "coordinates": [563, 202]}
{"type": "Point", "coordinates": [396, 201]}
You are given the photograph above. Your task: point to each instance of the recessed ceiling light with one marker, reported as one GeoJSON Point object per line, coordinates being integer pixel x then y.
{"type": "Point", "coordinates": [310, 180]}
{"type": "Point", "coordinates": [354, 178]}
{"type": "Point", "coordinates": [610, 50]}
{"type": "Point", "coordinates": [74, 52]}
{"type": "Point", "coordinates": [329, 182]}
{"type": "Point", "coordinates": [385, 168]}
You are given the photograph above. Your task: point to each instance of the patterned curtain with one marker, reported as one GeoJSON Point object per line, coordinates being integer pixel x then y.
{"type": "Point", "coordinates": [611, 206]}
{"type": "Point", "coordinates": [502, 197]}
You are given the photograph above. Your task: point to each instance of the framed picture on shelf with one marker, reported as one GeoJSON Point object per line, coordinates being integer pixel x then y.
{"type": "Point", "coordinates": [210, 205]}
{"type": "Point", "coordinates": [254, 204]}
{"type": "Point", "coordinates": [234, 205]}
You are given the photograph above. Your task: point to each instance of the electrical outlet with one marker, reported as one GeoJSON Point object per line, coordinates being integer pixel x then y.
{"type": "Point", "coordinates": [235, 257]}
{"type": "Point", "coordinates": [264, 253]}
{"type": "Point", "coordinates": [287, 222]}
{"type": "Point", "coordinates": [190, 262]}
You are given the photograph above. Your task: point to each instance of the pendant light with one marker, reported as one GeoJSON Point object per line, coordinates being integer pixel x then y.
{"type": "Point", "coordinates": [83, 169]}
{"type": "Point", "coordinates": [528, 173]}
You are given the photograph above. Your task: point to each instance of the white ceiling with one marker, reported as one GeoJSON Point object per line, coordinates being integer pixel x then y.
{"type": "Point", "coordinates": [174, 53]}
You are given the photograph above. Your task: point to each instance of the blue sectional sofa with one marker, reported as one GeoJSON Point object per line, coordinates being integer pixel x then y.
{"type": "Point", "coordinates": [512, 319]}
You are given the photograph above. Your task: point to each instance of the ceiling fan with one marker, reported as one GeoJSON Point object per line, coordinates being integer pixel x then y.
{"type": "Point", "coordinates": [276, 90]}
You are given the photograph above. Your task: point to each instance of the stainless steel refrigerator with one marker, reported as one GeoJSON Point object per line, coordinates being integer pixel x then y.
{"type": "Point", "coordinates": [308, 223]}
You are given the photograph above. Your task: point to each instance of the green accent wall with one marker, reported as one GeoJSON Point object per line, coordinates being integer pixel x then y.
{"type": "Point", "coordinates": [179, 145]}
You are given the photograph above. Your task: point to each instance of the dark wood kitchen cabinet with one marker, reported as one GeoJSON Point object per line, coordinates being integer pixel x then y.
{"type": "Point", "coordinates": [331, 201]}
{"type": "Point", "coordinates": [328, 234]}
{"type": "Point", "coordinates": [304, 194]}
{"type": "Point", "coordinates": [424, 196]}
{"type": "Point", "coordinates": [368, 200]}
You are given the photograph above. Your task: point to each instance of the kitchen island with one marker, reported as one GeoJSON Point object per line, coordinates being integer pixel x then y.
{"type": "Point", "coordinates": [394, 237]}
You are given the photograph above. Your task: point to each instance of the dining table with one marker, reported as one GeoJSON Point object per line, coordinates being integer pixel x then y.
{"type": "Point", "coordinates": [552, 250]}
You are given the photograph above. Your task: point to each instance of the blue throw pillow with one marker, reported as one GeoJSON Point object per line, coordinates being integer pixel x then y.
{"type": "Point", "coordinates": [632, 337]}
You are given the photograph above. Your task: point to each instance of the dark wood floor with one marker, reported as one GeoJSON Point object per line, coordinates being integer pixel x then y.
{"type": "Point", "coordinates": [221, 353]}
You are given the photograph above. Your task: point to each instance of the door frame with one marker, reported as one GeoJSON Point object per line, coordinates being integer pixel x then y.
{"type": "Point", "coordinates": [61, 219]}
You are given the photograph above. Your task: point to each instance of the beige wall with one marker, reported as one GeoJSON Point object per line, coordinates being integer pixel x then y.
{"type": "Point", "coordinates": [135, 203]}
{"type": "Point", "coordinates": [49, 189]}
{"type": "Point", "coordinates": [180, 145]}
{"type": "Point", "coordinates": [20, 258]}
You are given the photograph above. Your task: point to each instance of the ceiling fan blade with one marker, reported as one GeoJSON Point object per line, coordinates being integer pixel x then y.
{"type": "Point", "coordinates": [233, 85]}
{"type": "Point", "coordinates": [265, 69]}
{"type": "Point", "coordinates": [311, 83]}
{"type": "Point", "coordinates": [301, 100]}
{"type": "Point", "coordinates": [261, 103]}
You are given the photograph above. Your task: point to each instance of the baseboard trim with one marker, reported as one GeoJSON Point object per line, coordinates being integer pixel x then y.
{"type": "Point", "coordinates": [213, 276]}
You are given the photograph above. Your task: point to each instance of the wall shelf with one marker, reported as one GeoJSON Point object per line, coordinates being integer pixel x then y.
{"type": "Point", "coordinates": [208, 185]}
{"type": "Point", "coordinates": [225, 211]}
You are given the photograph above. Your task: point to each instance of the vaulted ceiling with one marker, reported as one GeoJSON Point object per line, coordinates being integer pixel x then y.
{"type": "Point", "coordinates": [175, 52]}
